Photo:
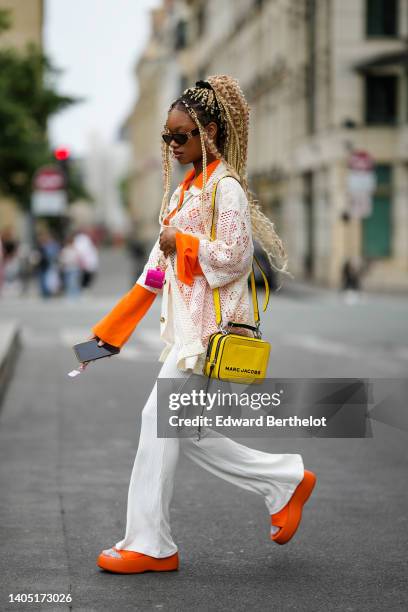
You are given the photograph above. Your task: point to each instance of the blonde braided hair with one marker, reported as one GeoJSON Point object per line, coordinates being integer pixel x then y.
{"type": "Point", "coordinates": [220, 99]}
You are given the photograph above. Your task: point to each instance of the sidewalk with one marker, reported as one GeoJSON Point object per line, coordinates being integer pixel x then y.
{"type": "Point", "coordinates": [310, 289]}
{"type": "Point", "coordinates": [10, 345]}
{"type": "Point", "coordinates": [304, 289]}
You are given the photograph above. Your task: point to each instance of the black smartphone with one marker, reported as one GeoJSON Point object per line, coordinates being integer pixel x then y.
{"type": "Point", "coordinates": [89, 351]}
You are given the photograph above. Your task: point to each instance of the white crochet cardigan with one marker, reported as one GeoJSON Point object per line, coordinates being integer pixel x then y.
{"type": "Point", "coordinates": [188, 314]}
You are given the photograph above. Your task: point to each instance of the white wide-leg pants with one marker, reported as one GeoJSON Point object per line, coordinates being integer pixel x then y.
{"type": "Point", "coordinates": [274, 476]}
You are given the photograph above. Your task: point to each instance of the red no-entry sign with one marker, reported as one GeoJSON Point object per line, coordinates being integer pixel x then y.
{"type": "Point", "coordinates": [49, 195]}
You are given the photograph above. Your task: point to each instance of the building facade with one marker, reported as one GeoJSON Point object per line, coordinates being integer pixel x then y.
{"type": "Point", "coordinates": [323, 78]}
{"type": "Point", "coordinates": [26, 27]}
{"type": "Point", "coordinates": [27, 23]}
{"type": "Point", "coordinates": [157, 78]}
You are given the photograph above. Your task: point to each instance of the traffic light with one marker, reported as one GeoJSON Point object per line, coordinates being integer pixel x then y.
{"type": "Point", "coordinates": [62, 155]}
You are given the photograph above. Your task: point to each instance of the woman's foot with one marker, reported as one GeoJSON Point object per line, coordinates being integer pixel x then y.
{"type": "Point", "coordinates": [132, 562]}
{"type": "Point", "coordinates": [285, 522]}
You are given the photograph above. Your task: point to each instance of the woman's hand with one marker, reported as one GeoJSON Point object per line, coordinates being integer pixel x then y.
{"type": "Point", "coordinates": [93, 337]}
{"type": "Point", "coordinates": [84, 364]}
{"type": "Point", "coordinates": [167, 240]}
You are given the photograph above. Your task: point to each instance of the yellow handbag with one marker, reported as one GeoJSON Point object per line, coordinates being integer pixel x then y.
{"type": "Point", "coordinates": [230, 356]}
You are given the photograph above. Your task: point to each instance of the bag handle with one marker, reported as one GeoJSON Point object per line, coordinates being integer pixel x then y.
{"type": "Point", "coordinates": [250, 327]}
{"type": "Point", "coordinates": [216, 292]}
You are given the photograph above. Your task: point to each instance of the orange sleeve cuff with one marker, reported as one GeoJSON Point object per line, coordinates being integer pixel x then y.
{"type": "Point", "coordinates": [118, 325]}
{"type": "Point", "coordinates": [187, 257]}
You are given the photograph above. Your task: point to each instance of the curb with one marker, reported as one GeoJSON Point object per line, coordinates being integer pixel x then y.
{"type": "Point", "coordinates": [305, 289]}
{"type": "Point", "coordinates": [10, 345]}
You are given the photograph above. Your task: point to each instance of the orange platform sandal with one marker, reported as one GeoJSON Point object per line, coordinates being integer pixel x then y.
{"type": "Point", "coordinates": [132, 562]}
{"type": "Point", "coordinates": [288, 519]}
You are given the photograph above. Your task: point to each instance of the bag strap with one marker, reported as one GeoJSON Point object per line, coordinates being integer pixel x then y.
{"type": "Point", "coordinates": [253, 289]}
{"type": "Point", "coordinates": [216, 292]}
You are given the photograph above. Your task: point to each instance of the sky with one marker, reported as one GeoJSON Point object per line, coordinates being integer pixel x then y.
{"type": "Point", "coordinates": [97, 44]}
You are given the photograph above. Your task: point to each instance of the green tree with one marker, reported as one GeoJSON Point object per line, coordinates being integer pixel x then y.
{"type": "Point", "coordinates": [27, 100]}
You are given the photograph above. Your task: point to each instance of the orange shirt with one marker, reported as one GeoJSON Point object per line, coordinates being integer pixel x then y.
{"type": "Point", "coordinates": [117, 326]}
{"type": "Point", "coordinates": [187, 245]}
{"type": "Point", "coordinates": [188, 181]}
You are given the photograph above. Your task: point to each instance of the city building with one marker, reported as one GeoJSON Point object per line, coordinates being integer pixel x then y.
{"type": "Point", "coordinates": [325, 79]}
{"type": "Point", "coordinates": [102, 168]}
{"type": "Point", "coordinates": [27, 23]}
{"type": "Point", "coordinates": [27, 20]}
{"type": "Point", "coordinates": [157, 79]}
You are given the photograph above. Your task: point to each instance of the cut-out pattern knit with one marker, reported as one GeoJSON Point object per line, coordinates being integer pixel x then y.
{"type": "Point", "coordinates": [226, 263]}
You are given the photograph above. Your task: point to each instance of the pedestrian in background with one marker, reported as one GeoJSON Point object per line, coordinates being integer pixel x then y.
{"type": "Point", "coordinates": [207, 127]}
{"type": "Point", "coordinates": [48, 249]}
{"type": "Point", "coordinates": [27, 260]}
{"type": "Point", "coordinates": [89, 258]}
{"type": "Point", "coordinates": [70, 264]}
{"type": "Point", "coordinates": [351, 279]}
{"type": "Point", "coordinates": [137, 255]}
{"type": "Point", "coordinates": [11, 263]}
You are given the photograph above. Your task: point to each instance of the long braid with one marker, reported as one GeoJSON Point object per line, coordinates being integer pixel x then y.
{"type": "Point", "coordinates": [220, 99]}
{"type": "Point", "coordinates": [166, 179]}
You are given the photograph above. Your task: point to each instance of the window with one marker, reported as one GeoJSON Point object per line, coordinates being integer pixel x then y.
{"type": "Point", "coordinates": [380, 99]}
{"type": "Point", "coordinates": [180, 35]}
{"type": "Point", "coordinates": [183, 83]}
{"type": "Point", "coordinates": [377, 228]}
{"type": "Point", "coordinates": [382, 17]}
{"type": "Point", "coordinates": [310, 73]}
{"type": "Point", "coordinates": [201, 19]}
{"type": "Point", "coordinates": [309, 259]}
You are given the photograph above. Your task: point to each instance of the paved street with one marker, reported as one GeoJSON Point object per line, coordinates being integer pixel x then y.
{"type": "Point", "coordinates": [67, 448]}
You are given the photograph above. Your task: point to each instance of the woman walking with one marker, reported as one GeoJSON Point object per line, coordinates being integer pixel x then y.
{"type": "Point", "coordinates": [207, 126]}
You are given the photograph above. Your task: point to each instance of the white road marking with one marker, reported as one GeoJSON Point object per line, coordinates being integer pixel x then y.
{"type": "Point", "coordinates": [151, 337]}
{"type": "Point", "coordinates": [402, 352]}
{"type": "Point", "coordinates": [146, 345]}
{"type": "Point", "coordinates": [33, 338]}
{"type": "Point", "coordinates": [370, 354]}
{"type": "Point", "coordinates": [321, 345]}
